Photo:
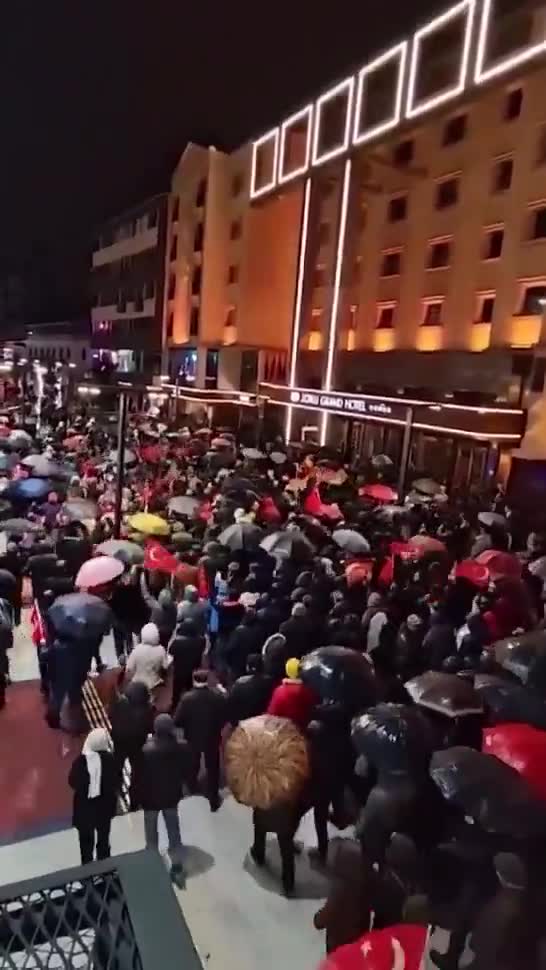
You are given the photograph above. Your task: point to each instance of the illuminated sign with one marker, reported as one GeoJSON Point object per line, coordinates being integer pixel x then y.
{"type": "Point", "coordinates": [341, 402]}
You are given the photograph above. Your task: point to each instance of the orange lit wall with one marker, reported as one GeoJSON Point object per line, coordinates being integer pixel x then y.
{"type": "Point", "coordinates": [269, 271]}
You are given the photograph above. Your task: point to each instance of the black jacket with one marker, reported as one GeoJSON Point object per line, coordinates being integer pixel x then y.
{"type": "Point", "coordinates": [301, 634]}
{"type": "Point", "coordinates": [165, 763]}
{"type": "Point", "coordinates": [245, 639]}
{"type": "Point", "coordinates": [249, 696]}
{"type": "Point", "coordinates": [131, 725]}
{"type": "Point", "coordinates": [93, 811]}
{"type": "Point", "coordinates": [186, 652]}
{"type": "Point", "coordinates": [202, 713]}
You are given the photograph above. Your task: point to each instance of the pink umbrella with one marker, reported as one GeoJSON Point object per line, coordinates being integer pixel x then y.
{"type": "Point", "coordinates": [428, 543]}
{"type": "Point", "coordinates": [379, 492]}
{"type": "Point", "coordinates": [98, 572]}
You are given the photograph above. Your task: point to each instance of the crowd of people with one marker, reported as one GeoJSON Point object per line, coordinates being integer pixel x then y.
{"type": "Point", "coordinates": [236, 565]}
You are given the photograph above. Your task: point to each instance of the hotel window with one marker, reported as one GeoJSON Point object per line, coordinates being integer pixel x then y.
{"type": "Point", "coordinates": [541, 146]}
{"type": "Point", "coordinates": [503, 170]}
{"type": "Point", "coordinates": [235, 230]}
{"type": "Point", "coordinates": [324, 233]}
{"type": "Point", "coordinates": [538, 223]}
{"type": "Point", "coordinates": [398, 208]}
{"type": "Point", "coordinates": [439, 254]}
{"type": "Point", "coordinates": [539, 374]}
{"type": "Point", "coordinates": [194, 321]}
{"type": "Point", "coordinates": [198, 238]}
{"type": "Point", "coordinates": [403, 153]}
{"type": "Point", "coordinates": [454, 130]}
{"type": "Point", "coordinates": [447, 193]}
{"type": "Point", "coordinates": [231, 317]}
{"type": "Point", "coordinates": [385, 316]}
{"type": "Point", "coordinates": [485, 308]}
{"type": "Point", "coordinates": [493, 243]}
{"type": "Point", "coordinates": [233, 275]}
{"type": "Point", "coordinates": [172, 287]}
{"type": "Point", "coordinates": [201, 193]}
{"type": "Point", "coordinates": [176, 209]}
{"type": "Point", "coordinates": [391, 263]}
{"type": "Point", "coordinates": [153, 219]}
{"type": "Point", "coordinates": [174, 248]}
{"type": "Point", "coordinates": [319, 276]}
{"type": "Point", "coordinates": [236, 185]}
{"type": "Point", "coordinates": [170, 326]}
{"type": "Point", "coordinates": [432, 313]}
{"type": "Point", "coordinates": [533, 300]}
{"type": "Point", "coordinates": [196, 281]}
{"type": "Point", "coordinates": [513, 104]}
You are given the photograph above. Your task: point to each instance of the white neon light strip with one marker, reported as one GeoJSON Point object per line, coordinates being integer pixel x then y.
{"type": "Point", "coordinates": [465, 7]}
{"type": "Point", "coordinates": [273, 136]}
{"type": "Point", "coordinates": [305, 113]}
{"type": "Point", "coordinates": [348, 86]}
{"type": "Point", "coordinates": [299, 299]}
{"type": "Point", "coordinates": [404, 400]}
{"type": "Point", "coordinates": [332, 332]}
{"type": "Point", "coordinates": [398, 53]}
{"type": "Point", "coordinates": [482, 73]}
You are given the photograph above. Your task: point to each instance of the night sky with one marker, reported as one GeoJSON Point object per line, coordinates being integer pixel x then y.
{"type": "Point", "coordinates": [100, 97]}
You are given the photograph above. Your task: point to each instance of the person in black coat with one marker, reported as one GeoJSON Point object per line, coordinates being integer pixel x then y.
{"type": "Point", "coordinates": [250, 694]}
{"type": "Point", "coordinates": [94, 780]}
{"type": "Point", "coordinates": [165, 760]}
{"type": "Point", "coordinates": [131, 717]}
{"type": "Point", "coordinates": [299, 631]}
{"type": "Point", "coordinates": [202, 714]}
{"type": "Point", "coordinates": [246, 638]}
{"type": "Point", "coordinates": [186, 648]}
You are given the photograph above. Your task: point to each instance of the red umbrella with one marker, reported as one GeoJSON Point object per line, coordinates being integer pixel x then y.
{"type": "Point", "coordinates": [379, 492]}
{"type": "Point", "coordinates": [399, 947]}
{"type": "Point", "coordinates": [500, 564]}
{"type": "Point", "coordinates": [474, 571]}
{"type": "Point", "coordinates": [268, 511]}
{"type": "Point", "coordinates": [522, 747]}
{"type": "Point", "coordinates": [359, 571]}
{"type": "Point", "coordinates": [428, 543]}
{"type": "Point", "coordinates": [407, 550]}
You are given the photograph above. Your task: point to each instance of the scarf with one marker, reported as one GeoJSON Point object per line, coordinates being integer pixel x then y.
{"type": "Point", "coordinates": [96, 741]}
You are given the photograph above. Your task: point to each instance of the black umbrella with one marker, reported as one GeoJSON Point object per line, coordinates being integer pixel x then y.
{"type": "Point", "coordinates": [288, 544]}
{"type": "Point", "coordinates": [524, 657]}
{"type": "Point", "coordinates": [507, 702]}
{"type": "Point", "coordinates": [42, 467]}
{"type": "Point", "coordinates": [446, 694]}
{"type": "Point", "coordinates": [127, 552]}
{"type": "Point", "coordinates": [80, 616]}
{"type": "Point", "coordinates": [237, 485]}
{"type": "Point", "coordinates": [19, 440]}
{"type": "Point", "coordinates": [342, 675]}
{"type": "Point", "coordinates": [491, 792]}
{"type": "Point", "coordinates": [393, 736]}
{"type": "Point", "coordinates": [19, 526]}
{"type": "Point", "coordinates": [7, 584]}
{"type": "Point", "coordinates": [351, 542]}
{"type": "Point", "coordinates": [241, 535]}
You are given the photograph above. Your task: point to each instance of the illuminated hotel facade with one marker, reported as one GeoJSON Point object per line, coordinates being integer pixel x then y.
{"type": "Point", "coordinates": [386, 271]}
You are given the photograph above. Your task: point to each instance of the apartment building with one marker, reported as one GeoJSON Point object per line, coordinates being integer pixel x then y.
{"type": "Point", "coordinates": [127, 282]}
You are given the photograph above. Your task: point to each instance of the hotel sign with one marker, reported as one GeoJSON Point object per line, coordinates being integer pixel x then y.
{"type": "Point", "coordinates": [357, 406]}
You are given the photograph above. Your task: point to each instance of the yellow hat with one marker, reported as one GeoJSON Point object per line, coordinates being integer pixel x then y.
{"type": "Point", "coordinates": [293, 668]}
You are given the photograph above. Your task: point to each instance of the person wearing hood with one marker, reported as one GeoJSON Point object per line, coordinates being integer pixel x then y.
{"type": "Point", "coordinates": [194, 609]}
{"type": "Point", "coordinates": [162, 610]}
{"type": "Point", "coordinates": [186, 648]}
{"type": "Point", "coordinates": [131, 718]}
{"type": "Point", "coordinates": [246, 638]}
{"type": "Point", "coordinates": [374, 618]}
{"type": "Point", "coordinates": [293, 699]}
{"type": "Point", "coordinates": [202, 714]}
{"type": "Point", "coordinates": [274, 657]}
{"type": "Point", "coordinates": [409, 660]}
{"type": "Point", "coordinates": [298, 631]}
{"type": "Point", "coordinates": [439, 641]}
{"type": "Point", "coordinates": [165, 763]}
{"type": "Point", "coordinates": [251, 693]}
{"type": "Point", "coordinates": [148, 661]}
{"type": "Point", "coordinates": [94, 781]}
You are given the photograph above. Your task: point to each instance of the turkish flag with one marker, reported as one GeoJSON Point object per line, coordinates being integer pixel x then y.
{"type": "Point", "coordinates": [157, 557]}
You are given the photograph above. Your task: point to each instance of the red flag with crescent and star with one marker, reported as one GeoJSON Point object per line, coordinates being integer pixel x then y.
{"type": "Point", "coordinates": [157, 557]}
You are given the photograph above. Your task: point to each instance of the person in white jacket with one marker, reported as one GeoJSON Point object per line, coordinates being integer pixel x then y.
{"type": "Point", "coordinates": [148, 662]}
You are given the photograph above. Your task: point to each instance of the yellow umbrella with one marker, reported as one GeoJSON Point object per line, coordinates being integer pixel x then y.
{"type": "Point", "coordinates": [150, 525]}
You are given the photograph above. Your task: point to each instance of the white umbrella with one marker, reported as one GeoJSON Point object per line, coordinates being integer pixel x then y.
{"type": "Point", "coordinates": [427, 486]}
{"type": "Point", "coordinates": [252, 454]}
{"type": "Point", "coordinates": [278, 457]}
{"type": "Point", "coordinates": [492, 518]}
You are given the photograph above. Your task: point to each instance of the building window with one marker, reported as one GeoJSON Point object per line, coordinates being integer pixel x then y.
{"type": "Point", "coordinates": [237, 185]}
{"type": "Point", "coordinates": [233, 275]}
{"type": "Point", "coordinates": [324, 233]}
{"type": "Point", "coordinates": [391, 263]}
{"type": "Point", "coordinates": [201, 194]}
{"type": "Point", "coordinates": [194, 321]}
{"type": "Point", "coordinates": [541, 146]}
{"type": "Point", "coordinates": [486, 308]}
{"type": "Point", "coordinates": [403, 153]}
{"type": "Point", "coordinates": [84, 354]}
{"type": "Point", "coordinates": [447, 193]}
{"type": "Point", "coordinates": [235, 230]}
{"type": "Point", "coordinates": [493, 243]}
{"type": "Point", "coordinates": [319, 276]}
{"type": "Point", "coordinates": [432, 313]}
{"type": "Point", "coordinates": [502, 174]}
{"type": "Point", "coordinates": [513, 104]}
{"type": "Point", "coordinates": [231, 317]}
{"type": "Point", "coordinates": [439, 254]}
{"type": "Point", "coordinates": [198, 238]}
{"type": "Point", "coordinates": [170, 326]}
{"type": "Point", "coordinates": [538, 223]}
{"type": "Point", "coordinates": [172, 287]}
{"type": "Point", "coordinates": [174, 248]}
{"type": "Point", "coordinates": [533, 300]}
{"type": "Point", "coordinates": [398, 208]}
{"type": "Point", "coordinates": [196, 281]}
{"type": "Point", "coordinates": [454, 130]}
{"type": "Point", "coordinates": [385, 316]}
{"type": "Point", "coordinates": [176, 209]}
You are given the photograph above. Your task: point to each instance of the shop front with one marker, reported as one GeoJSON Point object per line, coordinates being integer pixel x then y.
{"type": "Point", "coordinates": [460, 445]}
